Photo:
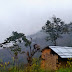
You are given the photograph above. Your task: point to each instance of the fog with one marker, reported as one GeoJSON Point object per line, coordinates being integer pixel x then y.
{"type": "Point", "coordinates": [28, 16]}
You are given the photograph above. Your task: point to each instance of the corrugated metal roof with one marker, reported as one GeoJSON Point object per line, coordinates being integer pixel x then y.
{"type": "Point", "coordinates": [63, 52]}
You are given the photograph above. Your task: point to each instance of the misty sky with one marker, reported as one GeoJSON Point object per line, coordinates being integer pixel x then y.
{"type": "Point", "coordinates": [28, 16]}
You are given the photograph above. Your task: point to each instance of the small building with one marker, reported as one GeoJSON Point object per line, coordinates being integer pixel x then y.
{"type": "Point", "coordinates": [55, 56]}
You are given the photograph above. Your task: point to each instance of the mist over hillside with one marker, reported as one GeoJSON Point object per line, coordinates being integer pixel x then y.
{"type": "Point", "coordinates": [40, 36]}
{"type": "Point", "coordinates": [37, 38]}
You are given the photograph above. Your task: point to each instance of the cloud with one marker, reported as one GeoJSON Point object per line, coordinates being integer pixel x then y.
{"type": "Point", "coordinates": [28, 16]}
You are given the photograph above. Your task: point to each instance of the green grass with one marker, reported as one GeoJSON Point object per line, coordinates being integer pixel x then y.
{"type": "Point", "coordinates": [32, 69]}
{"type": "Point", "coordinates": [65, 70]}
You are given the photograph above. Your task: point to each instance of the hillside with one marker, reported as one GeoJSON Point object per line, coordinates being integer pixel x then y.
{"type": "Point", "coordinates": [40, 36]}
{"type": "Point", "coordinates": [37, 38]}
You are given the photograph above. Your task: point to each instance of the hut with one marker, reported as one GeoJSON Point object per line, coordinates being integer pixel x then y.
{"type": "Point", "coordinates": [55, 56]}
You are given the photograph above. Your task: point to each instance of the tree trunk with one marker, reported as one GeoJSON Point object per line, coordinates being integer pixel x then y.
{"type": "Point", "coordinates": [29, 59]}
{"type": "Point", "coordinates": [55, 44]}
{"type": "Point", "coordinates": [16, 58]}
{"type": "Point", "coordinates": [30, 50]}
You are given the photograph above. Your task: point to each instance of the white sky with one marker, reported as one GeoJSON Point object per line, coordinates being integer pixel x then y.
{"type": "Point", "coordinates": [28, 16]}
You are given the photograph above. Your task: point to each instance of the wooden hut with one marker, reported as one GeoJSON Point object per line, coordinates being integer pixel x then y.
{"type": "Point", "coordinates": [55, 56]}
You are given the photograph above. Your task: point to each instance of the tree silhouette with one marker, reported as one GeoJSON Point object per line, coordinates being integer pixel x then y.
{"type": "Point", "coordinates": [14, 40]}
{"type": "Point", "coordinates": [55, 28]}
{"type": "Point", "coordinates": [17, 38]}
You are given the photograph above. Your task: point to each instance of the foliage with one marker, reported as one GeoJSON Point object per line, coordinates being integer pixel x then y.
{"type": "Point", "coordinates": [35, 67]}
{"type": "Point", "coordinates": [55, 28]}
{"type": "Point", "coordinates": [69, 62]}
{"type": "Point", "coordinates": [17, 38]}
{"type": "Point", "coordinates": [67, 68]}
